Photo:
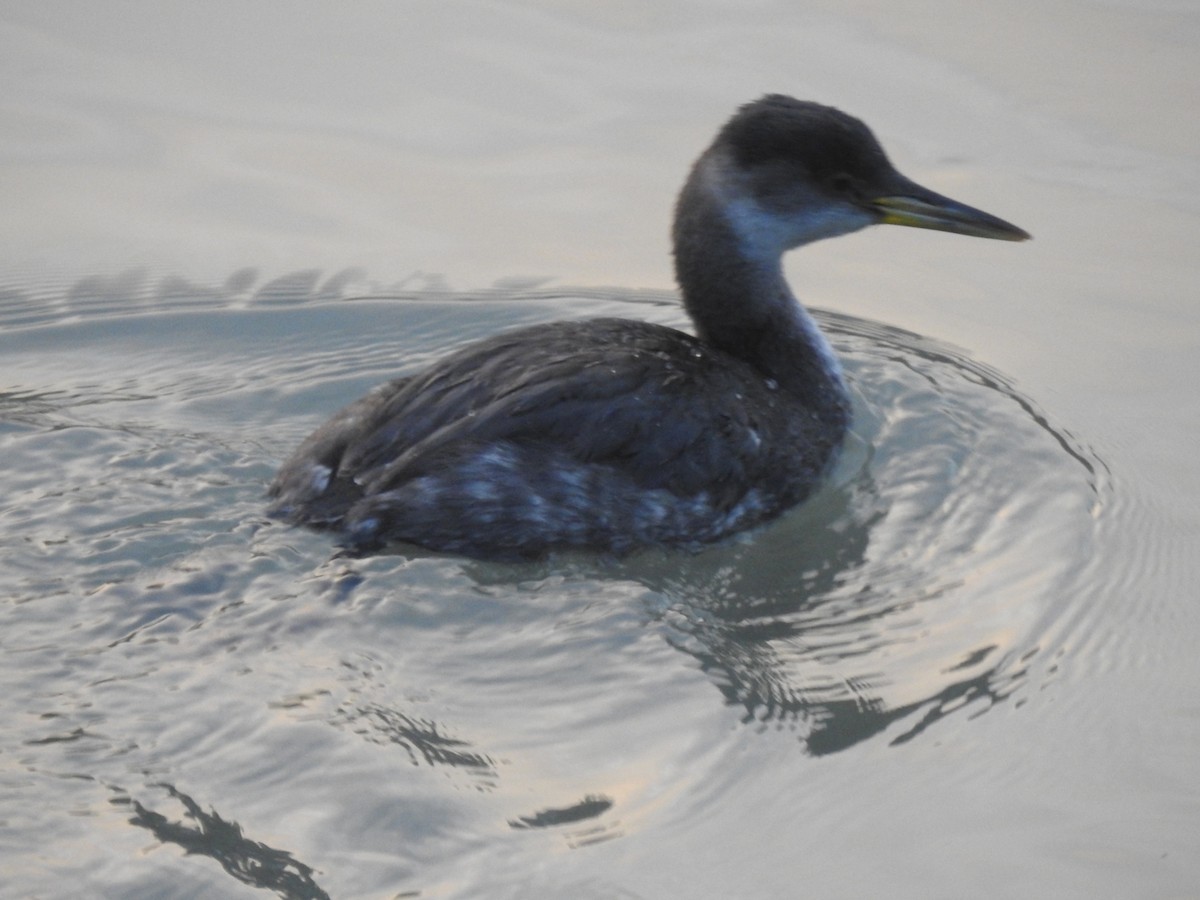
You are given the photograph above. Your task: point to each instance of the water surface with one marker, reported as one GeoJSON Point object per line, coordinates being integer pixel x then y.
{"type": "Point", "coordinates": [963, 669]}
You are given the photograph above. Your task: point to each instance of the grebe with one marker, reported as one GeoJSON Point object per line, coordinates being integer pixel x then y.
{"type": "Point", "coordinates": [614, 434]}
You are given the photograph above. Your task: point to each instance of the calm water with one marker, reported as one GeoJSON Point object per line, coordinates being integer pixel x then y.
{"type": "Point", "coordinates": [965, 668]}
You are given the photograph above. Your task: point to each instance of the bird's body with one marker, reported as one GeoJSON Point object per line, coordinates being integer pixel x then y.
{"type": "Point", "coordinates": [613, 434]}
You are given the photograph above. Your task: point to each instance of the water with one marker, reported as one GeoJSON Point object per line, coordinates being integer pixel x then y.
{"type": "Point", "coordinates": [963, 669]}
{"type": "Point", "coordinates": [420, 709]}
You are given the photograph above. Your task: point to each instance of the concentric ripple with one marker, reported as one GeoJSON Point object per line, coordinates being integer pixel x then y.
{"type": "Point", "coordinates": [165, 637]}
{"type": "Point", "coordinates": [934, 573]}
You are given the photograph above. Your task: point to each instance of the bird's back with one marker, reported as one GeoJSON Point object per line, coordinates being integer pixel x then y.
{"type": "Point", "coordinates": [605, 433]}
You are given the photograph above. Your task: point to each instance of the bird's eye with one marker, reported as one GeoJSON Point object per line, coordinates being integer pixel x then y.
{"type": "Point", "coordinates": [844, 185]}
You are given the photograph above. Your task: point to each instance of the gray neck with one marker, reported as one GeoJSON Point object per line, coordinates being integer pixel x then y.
{"type": "Point", "coordinates": [735, 292]}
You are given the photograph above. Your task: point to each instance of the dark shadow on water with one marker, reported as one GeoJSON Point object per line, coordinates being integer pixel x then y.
{"type": "Point", "coordinates": [251, 862]}
{"type": "Point", "coordinates": [424, 741]}
{"type": "Point", "coordinates": [581, 824]}
{"type": "Point", "coordinates": [588, 808]}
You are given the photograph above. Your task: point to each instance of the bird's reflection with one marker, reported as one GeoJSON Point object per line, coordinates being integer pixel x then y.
{"type": "Point", "coordinates": [850, 618]}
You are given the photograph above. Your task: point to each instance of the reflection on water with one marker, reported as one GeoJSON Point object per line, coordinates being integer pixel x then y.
{"type": "Point", "coordinates": [161, 642]}
{"type": "Point", "coordinates": [248, 861]}
{"type": "Point", "coordinates": [929, 578]}
{"type": "Point", "coordinates": [426, 708]}
{"type": "Point", "coordinates": [850, 637]}
{"type": "Point", "coordinates": [423, 740]}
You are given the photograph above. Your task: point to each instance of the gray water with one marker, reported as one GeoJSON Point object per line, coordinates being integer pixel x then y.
{"type": "Point", "coordinates": [963, 669]}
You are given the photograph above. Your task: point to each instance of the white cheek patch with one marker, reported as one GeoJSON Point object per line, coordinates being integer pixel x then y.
{"type": "Point", "coordinates": [766, 234]}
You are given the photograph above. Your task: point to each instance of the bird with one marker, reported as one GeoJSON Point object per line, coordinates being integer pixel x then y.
{"type": "Point", "coordinates": [613, 435]}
